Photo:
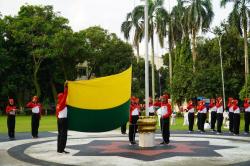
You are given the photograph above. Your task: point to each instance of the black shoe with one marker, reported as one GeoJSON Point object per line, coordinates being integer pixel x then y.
{"type": "Point", "coordinates": [65, 152]}
{"type": "Point", "coordinates": [132, 143]}
{"type": "Point", "coordinates": [162, 143]}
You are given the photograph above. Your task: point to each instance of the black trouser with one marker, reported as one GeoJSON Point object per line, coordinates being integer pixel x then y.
{"type": "Point", "coordinates": [213, 119]}
{"type": "Point", "coordinates": [247, 121]}
{"type": "Point", "coordinates": [190, 121]}
{"type": "Point", "coordinates": [231, 122]}
{"type": "Point", "coordinates": [219, 121]}
{"type": "Point", "coordinates": [151, 114]}
{"type": "Point", "coordinates": [165, 129]}
{"type": "Point", "coordinates": [11, 121]}
{"type": "Point", "coordinates": [201, 121]}
{"type": "Point", "coordinates": [133, 128]}
{"type": "Point", "coordinates": [236, 123]}
{"type": "Point", "coordinates": [35, 124]}
{"type": "Point", "coordinates": [124, 128]}
{"type": "Point", "coordinates": [62, 125]}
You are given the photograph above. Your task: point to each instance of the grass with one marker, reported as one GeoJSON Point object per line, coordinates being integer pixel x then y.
{"type": "Point", "coordinates": [23, 124]}
{"type": "Point", "coordinates": [48, 123]}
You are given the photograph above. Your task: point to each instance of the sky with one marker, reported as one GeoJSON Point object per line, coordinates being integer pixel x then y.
{"type": "Point", "coordinates": [108, 14]}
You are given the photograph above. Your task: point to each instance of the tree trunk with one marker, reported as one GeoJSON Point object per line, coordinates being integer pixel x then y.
{"type": "Point", "coordinates": [170, 44]}
{"type": "Point", "coordinates": [36, 84]}
{"type": "Point", "coordinates": [246, 55]}
{"type": "Point", "coordinates": [246, 59]}
{"type": "Point", "coordinates": [64, 70]}
{"type": "Point", "coordinates": [53, 88]}
{"type": "Point", "coordinates": [194, 53]}
{"type": "Point", "coordinates": [20, 97]}
{"type": "Point", "coordinates": [153, 67]}
{"type": "Point", "coordinates": [138, 52]}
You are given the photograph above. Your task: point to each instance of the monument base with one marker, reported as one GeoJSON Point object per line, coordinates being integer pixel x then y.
{"type": "Point", "coordinates": [147, 139]}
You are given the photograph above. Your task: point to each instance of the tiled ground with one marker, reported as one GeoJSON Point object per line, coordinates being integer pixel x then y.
{"type": "Point", "coordinates": [112, 148]}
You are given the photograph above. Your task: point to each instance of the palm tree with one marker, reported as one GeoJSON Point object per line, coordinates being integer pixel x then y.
{"type": "Point", "coordinates": [155, 12]}
{"type": "Point", "coordinates": [239, 18]}
{"type": "Point", "coordinates": [127, 26]}
{"type": "Point", "coordinates": [199, 15]}
{"type": "Point", "coordinates": [176, 30]}
{"type": "Point", "coordinates": [179, 22]}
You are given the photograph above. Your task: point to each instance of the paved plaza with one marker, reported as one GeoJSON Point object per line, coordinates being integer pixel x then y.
{"type": "Point", "coordinates": [112, 148]}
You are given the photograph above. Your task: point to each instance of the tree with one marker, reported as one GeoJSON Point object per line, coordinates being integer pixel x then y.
{"type": "Point", "coordinates": [239, 18]}
{"type": "Point", "coordinates": [108, 54]}
{"type": "Point", "coordinates": [176, 31]}
{"type": "Point", "coordinates": [157, 22]}
{"type": "Point", "coordinates": [182, 87]}
{"type": "Point", "coordinates": [199, 14]}
{"type": "Point", "coordinates": [133, 23]}
{"type": "Point", "coordinates": [34, 27]}
{"type": "Point", "coordinates": [207, 64]}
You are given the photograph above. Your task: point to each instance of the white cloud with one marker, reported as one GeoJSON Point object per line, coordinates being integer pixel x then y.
{"type": "Point", "coordinates": [109, 14]}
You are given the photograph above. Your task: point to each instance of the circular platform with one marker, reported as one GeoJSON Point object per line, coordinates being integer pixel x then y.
{"type": "Point", "coordinates": [112, 148]}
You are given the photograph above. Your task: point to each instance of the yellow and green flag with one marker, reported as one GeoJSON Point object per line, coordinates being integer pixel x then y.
{"type": "Point", "coordinates": [100, 104]}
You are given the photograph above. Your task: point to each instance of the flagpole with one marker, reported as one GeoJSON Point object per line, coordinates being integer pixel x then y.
{"type": "Point", "coordinates": [146, 60]}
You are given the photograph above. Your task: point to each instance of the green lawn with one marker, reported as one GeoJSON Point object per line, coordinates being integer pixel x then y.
{"type": "Point", "coordinates": [23, 124]}
{"type": "Point", "coordinates": [48, 123]}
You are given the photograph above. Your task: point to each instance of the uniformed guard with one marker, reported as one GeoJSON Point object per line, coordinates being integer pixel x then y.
{"type": "Point", "coordinates": [11, 120]}
{"type": "Point", "coordinates": [212, 110]}
{"type": "Point", "coordinates": [166, 112]}
{"type": "Point", "coordinates": [231, 114]}
{"type": "Point", "coordinates": [36, 109]}
{"type": "Point", "coordinates": [219, 112]}
{"type": "Point", "coordinates": [133, 117]}
{"type": "Point", "coordinates": [236, 110]}
{"type": "Point", "coordinates": [151, 108]}
{"type": "Point", "coordinates": [202, 111]}
{"type": "Point", "coordinates": [190, 108]}
{"type": "Point", "coordinates": [157, 103]}
{"type": "Point", "coordinates": [247, 115]}
{"type": "Point", "coordinates": [62, 120]}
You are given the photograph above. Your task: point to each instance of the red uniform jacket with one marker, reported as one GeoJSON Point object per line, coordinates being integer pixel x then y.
{"type": "Point", "coordinates": [157, 104]}
{"type": "Point", "coordinates": [132, 107]}
{"type": "Point", "coordinates": [10, 108]}
{"type": "Point", "coordinates": [169, 112]}
{"type": "Point", "coordinates": [32, 105]}
{"type": "Point", "coordinates": [61, 104]}
{"type": "Point", "coordinates": [211, 105]}
{"type": "Point", "coordinates": [229, 104]}
{"type": "Point", "coordinates": [246, 105]}
{"type": "Point", "coordinates": [218, 105]}
{"type": "Point", "coordinates": [190, 106]}
{"type": "Point", "coordinates": [200, 108]}
{"type": "Point", "coordinates": [236, 109]}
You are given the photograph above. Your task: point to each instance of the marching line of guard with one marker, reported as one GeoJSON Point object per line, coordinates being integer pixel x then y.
{"type": "Point", "coordinates": [36, 110]}
{"type": "Point", "coordinates": [217, 113]}
{"type": "Point", "coordinates": [161, 107]}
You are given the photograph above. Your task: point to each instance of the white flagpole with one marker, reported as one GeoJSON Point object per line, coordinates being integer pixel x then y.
{"type": "Point", "coordinates": [146, 60]}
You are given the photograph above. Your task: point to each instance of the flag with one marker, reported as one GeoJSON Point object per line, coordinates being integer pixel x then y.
{"type": "Point", "coordinates": [100, 104]}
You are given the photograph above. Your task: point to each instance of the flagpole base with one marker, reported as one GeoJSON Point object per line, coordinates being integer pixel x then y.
{"type": "Point", "coordinates": [146, 140]}
{"type": "Point", "coordinates": [146, 128]}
